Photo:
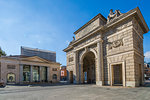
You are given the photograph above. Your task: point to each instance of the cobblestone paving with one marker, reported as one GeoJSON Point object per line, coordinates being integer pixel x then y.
{"type": "Point", "coordinates": [73, 92]}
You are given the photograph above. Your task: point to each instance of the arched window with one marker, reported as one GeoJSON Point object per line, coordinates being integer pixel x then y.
{"type": "Point", "coordinates": [11, 78]}
{"type": "Point", "coordinates": [55, 76]}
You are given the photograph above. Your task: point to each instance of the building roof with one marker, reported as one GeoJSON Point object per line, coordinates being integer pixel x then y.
{"type": "Point", "coordinates": [15, 56]}
{"type": "Point", "coordinates": [36, 49]}
{"type": "Point", "coordinates": [45, 54]}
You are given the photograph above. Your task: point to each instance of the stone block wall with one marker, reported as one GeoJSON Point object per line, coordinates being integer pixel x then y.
{"type": "Point", "coordinates": [96, 22]}
{"type": "Point", "coordinates": [70, 63]}
{"type": "Point", "coordinates": [118, 48]}
{"type": "Point", "coordinates": [88, 28]}
{"type": "Point", "coordinates": [5, 70]}
{"type": "Point", "coordinates": [139, 69]}
{"type": "Point", "coordinates": [138, 53]}
{"type": "Point", "coordinates": [54, 72]}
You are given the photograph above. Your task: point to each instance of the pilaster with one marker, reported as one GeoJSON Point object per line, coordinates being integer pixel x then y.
{"type": "Point", "coordinates": [31, 73]}
{"type": "Point", "coordinates": [40, 74]}
{"type": "Point", "coordinates": [48, 74]}
{"type": "Point", "coordinates": [81, 73]}
{"type": "Point", "coordinates": [76, 59]}
{"type": "Point", "coordinates": [75, 68]}
{"type": "Point", "coordinates": [99, 71]}
{"type": "Point", "coordinates": [21, 74]}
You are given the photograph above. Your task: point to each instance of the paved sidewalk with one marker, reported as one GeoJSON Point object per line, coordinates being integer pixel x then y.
{"type": "Point", "coordinates": [74, 92]}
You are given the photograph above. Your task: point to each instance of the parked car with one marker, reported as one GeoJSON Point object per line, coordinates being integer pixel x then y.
{"type": "Point", "coordinates": [2, 84]}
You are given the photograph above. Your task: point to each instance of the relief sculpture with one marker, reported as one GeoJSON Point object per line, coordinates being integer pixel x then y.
{"type": "Point", "coordinates": [112, 15]}
{"type": "Point", "coordinates": [115, 44]}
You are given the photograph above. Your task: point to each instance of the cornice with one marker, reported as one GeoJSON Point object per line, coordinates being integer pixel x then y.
{"type": "Point", "coordinates": [83, 38]}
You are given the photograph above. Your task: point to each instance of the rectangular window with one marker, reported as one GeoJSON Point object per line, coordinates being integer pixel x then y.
{"type": "Point", "coordinates": [70, 59]}
{"type": "Point", "coordinates": [11, 67]}
{"type": "Point", "coordinates": [36, 73]}
{"type": "Point", "coordinates": [26, 73]}
{"type": "Point", "coordinates": [43, 74]}
{"type": "Point", "coordinates": [54, 69]}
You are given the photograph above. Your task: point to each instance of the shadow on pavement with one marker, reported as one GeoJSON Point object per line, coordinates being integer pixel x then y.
{"type": "Point", "coordinates": [41, 84]}
{"type": "Point", "coordinates": [147, 84]}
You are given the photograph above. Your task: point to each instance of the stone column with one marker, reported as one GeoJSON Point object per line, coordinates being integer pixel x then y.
{"type": "Point", "coordinates": [21, 74]}
{"type": "Point", "coordinates": [48, 73]}
{"type": "Point", "coordinates": [31, 73]}
{"type": "Point", "coordinates": [102, 61]}
{"type": "Point", "coordinates": [100, 77]}
{"type": "Point", "coordinates": [40, 75]}
{"type": "Point", "coordinates": [81, 73]}
{"type": "Point", "coordinates": [76, 70]}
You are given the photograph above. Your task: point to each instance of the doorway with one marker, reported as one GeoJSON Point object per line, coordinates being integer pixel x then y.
{"type": "Point", "coordinates": [71, 76]}
{"type": "Point", "coordinates": [117, 77]}
{"type": "Point", "coordinates": [140, 75]}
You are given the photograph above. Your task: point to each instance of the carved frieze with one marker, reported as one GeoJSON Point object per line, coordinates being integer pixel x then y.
{"type": "Point", "coordinates": [115, 44]}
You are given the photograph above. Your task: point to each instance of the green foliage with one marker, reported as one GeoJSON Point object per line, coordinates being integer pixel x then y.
{"type": "Point", "coordinates": [2, 53]}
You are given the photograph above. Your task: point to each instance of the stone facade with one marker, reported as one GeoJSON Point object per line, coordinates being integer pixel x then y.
{"type": "Point", "coordinates": [14, 65]}
{"type": "Point", "coordinates": [115, 41]}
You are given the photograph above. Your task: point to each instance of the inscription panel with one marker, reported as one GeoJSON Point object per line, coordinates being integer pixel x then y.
{"type": "Point", "coordinates": [88, 28]}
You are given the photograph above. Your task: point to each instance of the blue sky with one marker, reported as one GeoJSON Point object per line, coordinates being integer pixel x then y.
{"type": "Point", "coordinates": [49, 24]}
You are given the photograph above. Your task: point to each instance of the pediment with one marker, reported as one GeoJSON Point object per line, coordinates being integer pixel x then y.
{"type": "Point", "coordinates": [35, 59]}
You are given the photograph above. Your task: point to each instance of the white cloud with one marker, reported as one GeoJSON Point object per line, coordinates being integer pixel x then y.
{"type": "Point", "coordinates": [67, 42]}
{"type": "Point", "coordinates": [39, 41]}
{"type": "Point", "coordinates": [147, 55]}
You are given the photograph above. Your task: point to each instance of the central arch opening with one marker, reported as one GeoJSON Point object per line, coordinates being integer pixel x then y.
{"type": "Point", "coordinates": [89, 68]}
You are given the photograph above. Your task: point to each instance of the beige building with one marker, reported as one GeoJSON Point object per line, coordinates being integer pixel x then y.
{"type": "Point", "coordinates": [108, 51]}
{"type": "Point", "coordinates": [23, 69]}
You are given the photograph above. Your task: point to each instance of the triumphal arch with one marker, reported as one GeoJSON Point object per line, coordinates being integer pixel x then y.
{"type": "Point", "coordinates": [108, 51]}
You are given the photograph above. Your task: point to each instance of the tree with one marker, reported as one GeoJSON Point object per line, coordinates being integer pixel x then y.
{"type": "Point", "coordinates": [2, 53]}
